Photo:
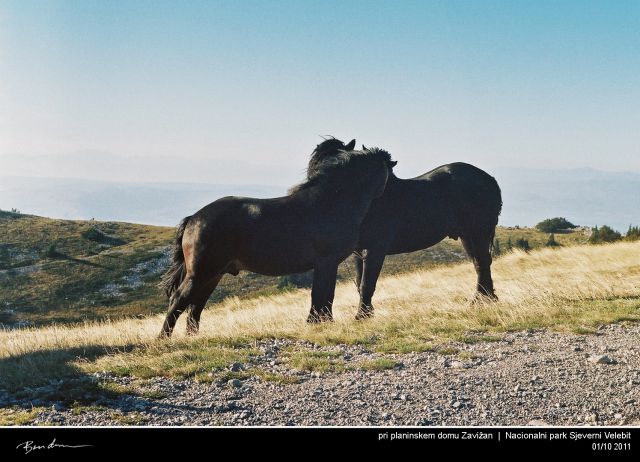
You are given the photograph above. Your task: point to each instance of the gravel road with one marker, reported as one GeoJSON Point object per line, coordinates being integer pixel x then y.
{"type": "Point", "coordinates": [527, 378]}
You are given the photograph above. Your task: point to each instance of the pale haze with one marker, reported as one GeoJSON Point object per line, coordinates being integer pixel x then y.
{"type": "Point", "coordinates": [239, 93]}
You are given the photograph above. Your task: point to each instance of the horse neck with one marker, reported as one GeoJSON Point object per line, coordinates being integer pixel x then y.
{"type": "Point", "coordinates": [393, 179]}
{"type": "Point", "coordinates": [393, 182]}
{"type": "Point", "coordinates": [350, 198]}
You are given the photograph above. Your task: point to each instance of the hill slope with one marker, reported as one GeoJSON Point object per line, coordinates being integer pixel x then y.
{"type": "Point", "coordinates": [71, 271]}
{"type": "Point", "coordinates": [64, 271]}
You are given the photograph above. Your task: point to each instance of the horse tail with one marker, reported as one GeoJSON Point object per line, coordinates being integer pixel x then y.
{"type": "Point", "coordinates": [498, 199]}
{"type": "Point", "coordinates": [498, 210]}
{"type": "Point", "coordinates": [175, 274]}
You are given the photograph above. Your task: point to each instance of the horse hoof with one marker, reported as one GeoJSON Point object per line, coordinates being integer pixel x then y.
{"type": "Point", "coordinates": [314, 318]}
{"type": "Point", "coordinates": [317, 318]}
{"type": "Point", "coordinates": [164, 335]}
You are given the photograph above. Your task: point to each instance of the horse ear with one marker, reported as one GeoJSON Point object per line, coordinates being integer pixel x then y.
{"type": "Point", "coordinates": [364, 148]}
{"type": "Point", "coordinates": [350, 146]}
{"type": "Point", "coordinates": [392, 163]}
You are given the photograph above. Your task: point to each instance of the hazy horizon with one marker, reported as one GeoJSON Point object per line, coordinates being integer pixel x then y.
{"type": "Point", "coordinates": [585, 196]}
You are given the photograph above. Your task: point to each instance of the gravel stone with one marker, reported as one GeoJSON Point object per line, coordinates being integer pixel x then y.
{"type": "Point", "coordinates": [236, 367]}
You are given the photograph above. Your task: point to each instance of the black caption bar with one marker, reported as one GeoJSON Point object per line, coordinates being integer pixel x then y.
{"type": "Point", "coordinates": [83, 442]}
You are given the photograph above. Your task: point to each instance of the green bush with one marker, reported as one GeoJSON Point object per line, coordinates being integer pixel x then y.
{"type": "Point", "coordinates": [523, 244]}
{"type": "Point", "coordinates": [553, 225]}
{"type": "Point", "coordinates": [604, 234]}
{"type": "Point", "coordinates": [51, 252]}
{"type": "Point", "coordinates": [13, 213]}
{"type": "Point", "coordinates": [96, 235]}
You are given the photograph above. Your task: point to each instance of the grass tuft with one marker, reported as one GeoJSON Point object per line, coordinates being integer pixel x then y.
{"type": "Point", "coordinates": [378, 364]}
{"type": "Point", "coordinates": [317, 361]}
{"type": "Point", "coordinates": [15, 416]}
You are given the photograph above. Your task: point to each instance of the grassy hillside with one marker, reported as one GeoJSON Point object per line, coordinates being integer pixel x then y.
{"type": "Point", "coordinates": [61, 270]}
{"type": "Point", "coordinates": [71, 271]}
{"type": "Point", "coordinates": [571, 288]}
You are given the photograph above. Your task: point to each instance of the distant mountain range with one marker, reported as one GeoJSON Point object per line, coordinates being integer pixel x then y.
{"type": "Point", "coordinates": [584, 196]}
{"type": "Point", "coordinates": [150, 203]}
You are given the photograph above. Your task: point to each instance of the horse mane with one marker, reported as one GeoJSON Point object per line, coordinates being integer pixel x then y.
{"type": "Point", "coordinates": [335, 167]}
{"type": "Point", "coordinates": [327, 149]}
{"type": "Point", "coordinates": [378, 152]}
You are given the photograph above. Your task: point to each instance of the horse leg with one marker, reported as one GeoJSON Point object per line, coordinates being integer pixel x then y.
{"type": "Point", "coordinates": [180, 300]}
{"type": "Point", "coordinates": [193, 321]}
{"type": "Point", "coordinates": [371, 271]}
{"type": "Point", "coordinates": [479, 249]}
{"type": "Point", "coordinates": [323, 291]}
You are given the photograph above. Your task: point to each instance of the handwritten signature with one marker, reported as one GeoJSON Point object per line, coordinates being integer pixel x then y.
{"type": "Point", "coordinates": [30, 446]}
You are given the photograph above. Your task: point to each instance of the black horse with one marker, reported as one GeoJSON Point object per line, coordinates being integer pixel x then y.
{"type": "Point", "coordinates": [455, 200]}
{"type": "Point", "coordinates": [314, 227]}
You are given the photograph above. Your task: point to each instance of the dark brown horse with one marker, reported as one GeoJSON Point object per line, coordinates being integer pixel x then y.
{"type": "Point", "coordinates": [314, 227]}
{"type": "Point", "coordinates": [455, 200]}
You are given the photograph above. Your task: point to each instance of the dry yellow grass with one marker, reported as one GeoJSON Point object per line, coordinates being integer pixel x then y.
{"type": "Point", "coordinates": [570, 288]}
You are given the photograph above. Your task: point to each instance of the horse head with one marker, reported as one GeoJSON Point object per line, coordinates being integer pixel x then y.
{"type": "Point", "coordinates": [328, 149]}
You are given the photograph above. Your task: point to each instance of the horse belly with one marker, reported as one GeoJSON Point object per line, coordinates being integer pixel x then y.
{"type": "Point", "coordinates": [408, 243]}
{"type": "Point", "coordinates": [421, 232]}
{"type": "Point", "coordinates": [276, 258]}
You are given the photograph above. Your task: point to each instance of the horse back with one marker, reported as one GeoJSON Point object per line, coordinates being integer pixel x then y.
{"type": "Point", "coordinates": [472, 192]}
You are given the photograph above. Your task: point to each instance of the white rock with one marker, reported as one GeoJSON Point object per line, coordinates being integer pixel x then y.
{"type": "Point", "coordinates": [538, 423]}
{"type": "Point", "coordinates": [602, 359]}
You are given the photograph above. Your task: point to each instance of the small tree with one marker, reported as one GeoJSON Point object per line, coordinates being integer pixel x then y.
{"type": "Point", "coordinates": [604, 234]}
{"type": "Point", "coordinates": [523, 244]}
{"type": "Point", "coordinates": [633, 234]}
{"type": "Point", "coordinates": [509, 244]}
{"type": "Point", "coordinates": [496, 247]}
{"type": "Point", "coordinates": [553, 225]}
{"type": "Point", "coordinates": [551, 242]}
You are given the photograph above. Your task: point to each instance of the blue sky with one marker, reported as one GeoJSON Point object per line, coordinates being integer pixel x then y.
{"type": "Point", "coordinates": [496, 83]}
